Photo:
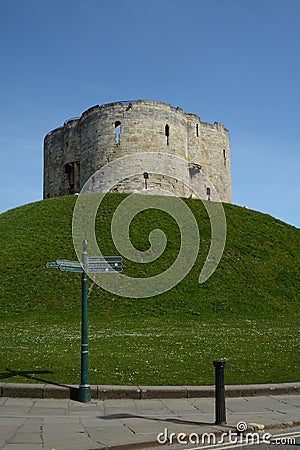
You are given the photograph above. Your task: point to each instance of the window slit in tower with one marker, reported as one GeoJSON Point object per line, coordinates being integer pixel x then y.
{"type": "Point", "coordinates": [167, 133]}
{"type": "Point", "coordinates": [69, 178]}
{"type": "Point", "coordinates": [224, 156]}
{"type": "Point", "coordinates": [208, 192]}
{"type": "Point", "coordinates": [72, 177]}
{"type": "Point", "coordinates": [197, 130]}
{"type": "Point", "coordinates": [118, 131]}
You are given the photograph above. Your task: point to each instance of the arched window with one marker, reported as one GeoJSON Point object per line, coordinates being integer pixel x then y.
{"type": "Point", "coordinates": [167, 133]}
{"type": "Point", "coordinates": [118, 131]}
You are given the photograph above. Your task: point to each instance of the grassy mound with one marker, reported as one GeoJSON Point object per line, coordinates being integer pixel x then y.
{"type": "Point", "coordinates": [247, 312]}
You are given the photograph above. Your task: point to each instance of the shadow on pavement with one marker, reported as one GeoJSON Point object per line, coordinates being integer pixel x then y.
{"type": "Point", "coordinates": [172, 420]}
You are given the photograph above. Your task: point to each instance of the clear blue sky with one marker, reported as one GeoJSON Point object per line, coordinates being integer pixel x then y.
{"type": "Point", "coordinates": [231, 61]}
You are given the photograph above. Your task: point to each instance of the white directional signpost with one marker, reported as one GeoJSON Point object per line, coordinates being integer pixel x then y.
{"type": "Point", "coordinates": [92, 264]}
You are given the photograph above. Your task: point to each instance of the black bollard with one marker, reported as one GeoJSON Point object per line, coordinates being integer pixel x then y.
{"type": "Point", "coordinates": [220, 411]}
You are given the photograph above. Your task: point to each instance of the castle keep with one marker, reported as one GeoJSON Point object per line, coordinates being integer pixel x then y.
{"type": "Point", "coordinates": [75, 151]}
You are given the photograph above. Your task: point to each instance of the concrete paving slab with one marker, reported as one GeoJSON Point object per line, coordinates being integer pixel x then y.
{"type": "Point", "coordinates": [112, 435]}
{"type": "Point", "coordinates": [93, 405]}
{"type": "Point", "coordinates": [24, 447]}
{"type": "Point", "coordinates": [91, 422]}
{"type": "Point", "coordinates": [32, 424]}
{"type": "Point", "coordinates": [277, 422]}
{"type": "Point", "coordinates": [246, 417]}
{"type": "Point", "coordinates": [132, 422]}
{"type": "Point", "coordinates": [55, 412]}
{"type": "Point", "coordinates": [243, 404]}
{"type": "Point", "coordinates": [142, 426]}
{"type": "Point", "coordinates": [8, 428]}
{"type": "Point", "coordinates": [282, 406]}
{"type": "Point", "coordinates": [174, 408]}
{"type": "Point", "coordinates": [12, 421]}
{"type": "Point", "coordinates": [111, 407]}
{"type": "Point", "coordinates": [84, 413]}
{"type": "Point", "coordinates": [194, 419]}
{"type": "Point", "coordinates": [264, 404]}
{"type": "Point", "coordinates": [203, 406]}
{"type": "Point", "coordinates": [293, 400]}
{"type": "Point", "coordinates": [112, 411]}
{"type": "Point", "coordinates": [121, 403]}
{"type": "Point", "coordinates": [149, 407]}
{"type": "Point", "coordinates": [66, 432]}
{"type": "Point", "coordinates": [68, 422]}
{"type": "Point", "coordinates": [26, 438]}
{"type": "Point", "coordinates": [70, 441]}
{"type": "Point", "coordinates": [50, 403]}
{"type": "Point", "coordinates": [18, 401]}
{"type": "Point", "coordinates": [175, 405]}
{"type": "Point", "coordinates": [112, 418]}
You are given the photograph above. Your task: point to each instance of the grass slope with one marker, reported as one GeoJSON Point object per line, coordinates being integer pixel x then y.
{"type": "Point", "coordinates": [246, 312]}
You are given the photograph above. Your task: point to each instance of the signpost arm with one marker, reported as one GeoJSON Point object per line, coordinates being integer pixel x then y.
{"type": "Point", "coordinates": [84, 388]}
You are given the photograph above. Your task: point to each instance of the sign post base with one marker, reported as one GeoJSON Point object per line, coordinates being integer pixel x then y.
{"type": "Point", "coordinates": [84, 394]}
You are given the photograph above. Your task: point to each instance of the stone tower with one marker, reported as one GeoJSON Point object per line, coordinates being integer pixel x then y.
{"type": "Point", "coordinates": [75, 151]}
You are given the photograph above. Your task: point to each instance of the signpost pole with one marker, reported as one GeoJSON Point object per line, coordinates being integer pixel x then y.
{"type": "Point", "coordinates": [106, 264]}
{"type": "Point", "coordinates": [84, 394]}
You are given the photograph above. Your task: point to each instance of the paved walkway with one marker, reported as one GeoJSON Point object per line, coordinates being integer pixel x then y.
{"type": "Point", "coordinates": [64, 424]}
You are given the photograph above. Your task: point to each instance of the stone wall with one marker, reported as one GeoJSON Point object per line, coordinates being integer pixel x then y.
{"type": "Point", "coordinates": [105, 133]}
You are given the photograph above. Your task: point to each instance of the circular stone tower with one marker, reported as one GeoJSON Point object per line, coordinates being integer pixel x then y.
{"type": "Point", "coordinates": [75, 151]}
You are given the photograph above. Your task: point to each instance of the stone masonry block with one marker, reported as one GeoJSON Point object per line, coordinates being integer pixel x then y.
{"type": "Point", "coordinates": [148, 392]}
{"type": "Point", "coordinates": [23, 390]}
{"type": "Point", "coordinates": [118, 392]}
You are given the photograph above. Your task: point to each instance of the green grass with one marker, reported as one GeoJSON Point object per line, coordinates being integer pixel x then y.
{"type": "Point", "coordinates": [247, 312]}
{"type": "Point", "coordinates": [159, 352]}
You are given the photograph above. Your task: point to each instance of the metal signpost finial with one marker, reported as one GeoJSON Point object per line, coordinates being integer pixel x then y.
{"type": "Point", "coordinates": [93, 264]}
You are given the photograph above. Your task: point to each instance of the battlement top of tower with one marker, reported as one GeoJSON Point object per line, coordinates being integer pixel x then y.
{"type": "Point", "coordinates": [70, 123]}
